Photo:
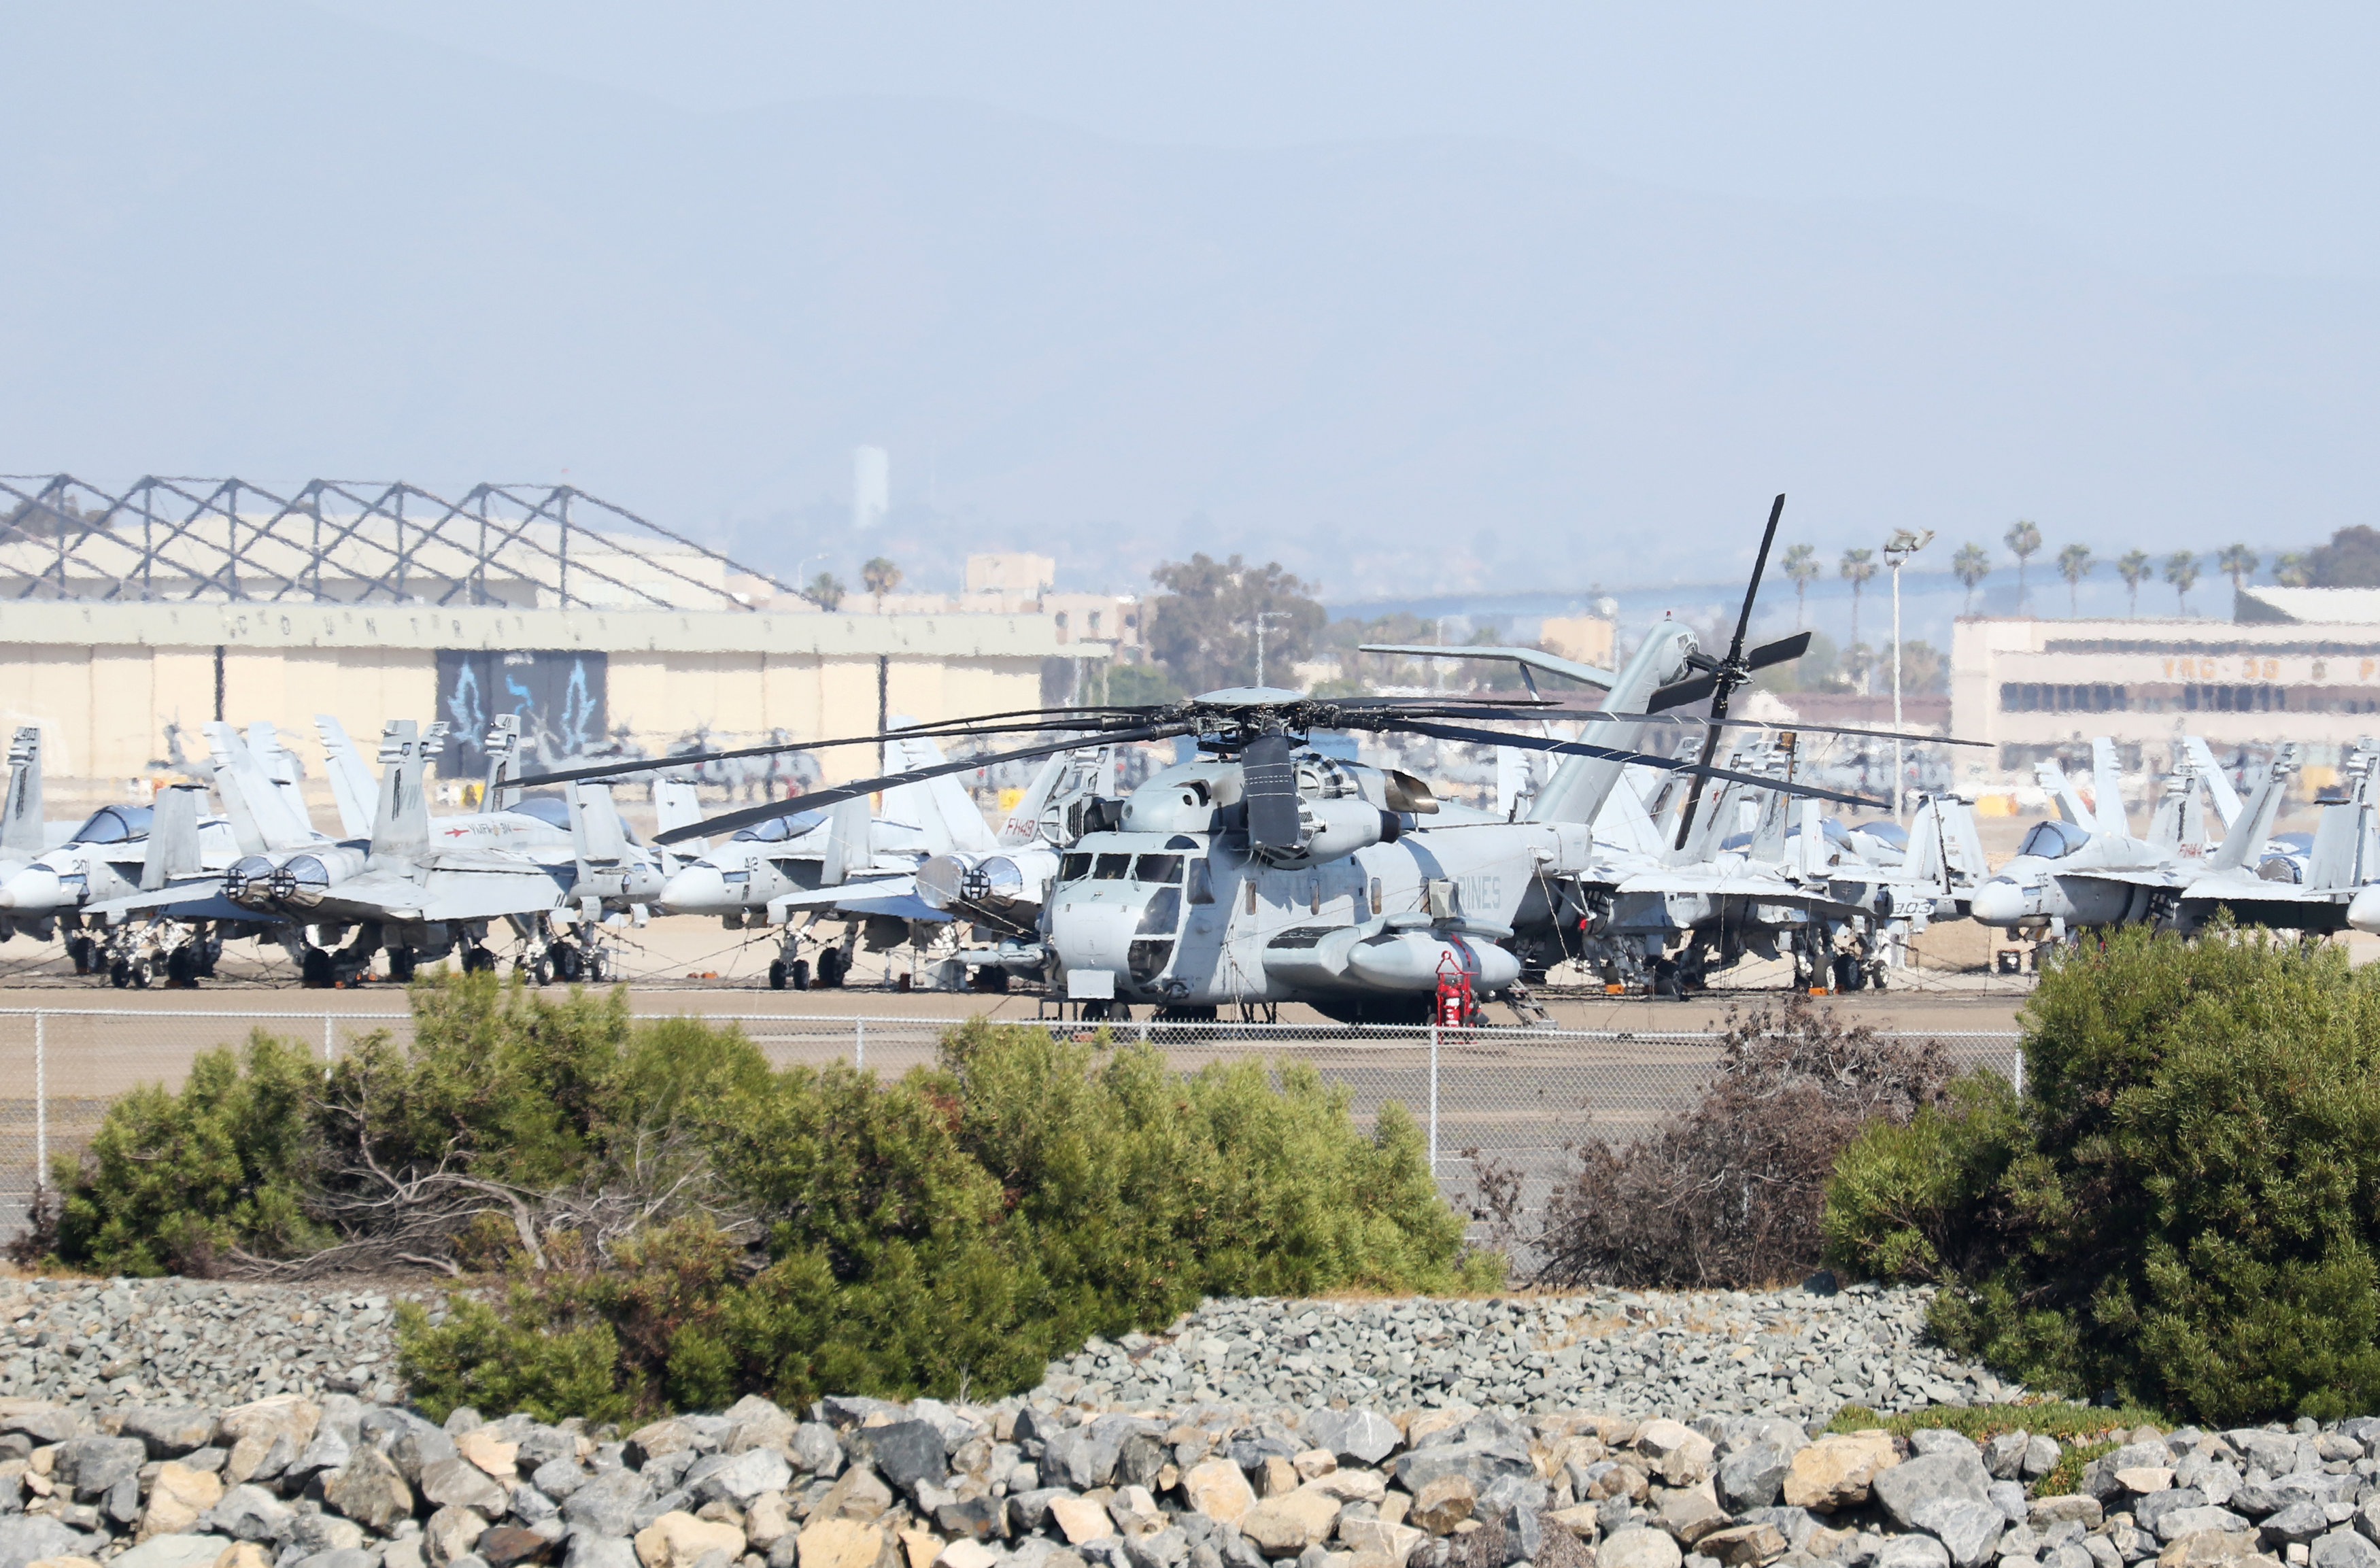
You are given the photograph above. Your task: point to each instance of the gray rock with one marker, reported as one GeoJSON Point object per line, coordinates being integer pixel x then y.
{"type": "Point", "coordinates": [740, 1478]}
{"type": "Point", "coordinates": [458, 1483]}
{"type": "Point", "coordinates": [1913, 1551]}
{"type": "Point", "coordinates": [1908, 1485]}
{"type": "Point", "coordinates": [2343, 1549]}
{"type": "Point", "coordinates": [2179, 1522]}
{"type": "Point", "coordinates": [122, 1501]}
{"type": "Point", "coordinates": [1937, 1440]}
{"type": "Point", "coordinates": [329, 1451]}
{"type": "Point", "coordinates": [2296, 1524]}
{"type": "Point", "coordinates": [612, 1551]}
{"type": "Point", "coordinates": [2009, 1497]}
{"type": "Point", "coordinates": [816, 1451]}
{"type": "Point", "coordinates": [339, 1557]}
{"type": "Point", "coordinates": [420, 1446]}
{"type": "Point", "coordinates": [558, 1478]}
{"type": "Point", "coordinates": [1481, 1460]}
{"type": "Point", "coordinates": [2004, 1455]}
{"type": "Point", "coordinates": [1030, 1509]}
{"type": "Point", "coordinates": [983, 1518]}
{"type": "Point", "coordinates": [608, 1505]}
{"type": "Point", "coordinates": [1067, 1458]}
{"type": "Point", "coordinates": [169, 1431]}
{"type": "Point", "coordinates": [91, 1466]}
{"type": "Point", "coordinates": [323, 1532]}
{"type": "Point", "coordinates": [248, 1513]}
{"type": "Point", "coordinates": [2148, 1510]}
{"type": "Point", "coordinates": [1360, 1436]}
{"type": "Point", "coordinates": [174, 1551]}
{"type": "Point", "coordinates": [907, 1452]}
{"type": "Point", "coordinates": [1969, 1531]}
{"type": "Point", "coordinates": [1749, 1477]}
{"type": "Point", "coordinates": [46, 1423]}
{"type": "Point", "coordinates": [1159, 1548]}
{"type": "Point", "coordinates": [2042, 1453]}
{"type": "Point", "coordinates": [30, 1538]}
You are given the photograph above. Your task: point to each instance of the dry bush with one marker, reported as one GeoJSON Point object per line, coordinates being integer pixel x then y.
{"type": "Point", "coordinates": [1729, 1192]}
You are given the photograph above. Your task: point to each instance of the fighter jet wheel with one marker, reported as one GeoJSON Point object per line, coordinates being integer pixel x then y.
{"type": "Point", "coordinates": [208, 952]}
{"type": "Point", "coordinates": [990, 977]}
{"type": "Point", "coordinates": [798, 974]}
{"type": "Point", "coordinates": [776, 973]}
{"type": "Point", "coordinates": [1848, 975]}
{"type": "Point", "coordinates": [569, 964]}
{"type": "Point", "coordinates": [119, 974]}
{"type": "Point", "coordinates": [78, 950]}
{"type": "Point", "coordinates": [314, 969]}
{"type": "Point", "coordinates": [598, 967]}
{"type": "Point", "coordinates": [142, 973]}
{"type": "Point", "coordinates": [478, 960]}
{"type": "Point", "coordinates": [541, 971]}
{"type": "Point", "coordinates": [182, 966]}
{"type": "Point", "coordinates": [831, 966]}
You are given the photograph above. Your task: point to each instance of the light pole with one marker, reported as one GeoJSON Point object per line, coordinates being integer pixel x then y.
{"type": "Point", "coordinates": [1904, 543]}
{"type": "Point", "coordinates": [1262, 617]}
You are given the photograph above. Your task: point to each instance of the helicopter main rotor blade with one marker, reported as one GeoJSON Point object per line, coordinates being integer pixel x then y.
{"type": "Point", "coordinates": [1694, 688]}
{"type": "Point", "coordinates": [1644, 758]}
{"type": "Point", "coordinates": [1731, 672]}
{"type": "Point", "coordinates": [1597, 715]}
{"type": "Point", "coordinates": [947, 729]}
{"type": "Point", "coordinates": [768, 811]}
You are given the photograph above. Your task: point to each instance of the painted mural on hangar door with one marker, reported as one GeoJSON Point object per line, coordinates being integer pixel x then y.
{"type": "Point", "coordinates": [558, 693]}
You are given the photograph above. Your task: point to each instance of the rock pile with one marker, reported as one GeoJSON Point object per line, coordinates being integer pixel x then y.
{"type": "Point", "coordinates": [290, 1482]}
{"type": "Point", "coordinates": [1797, 1354]}
{"type": "Point", "coordinates": [194, 1341]}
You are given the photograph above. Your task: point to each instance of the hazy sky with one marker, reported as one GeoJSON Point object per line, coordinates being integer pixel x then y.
{"type": "Point", "coordinates": [2174, 138]}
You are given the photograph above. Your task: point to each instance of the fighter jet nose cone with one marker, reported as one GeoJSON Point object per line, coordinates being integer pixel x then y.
{"type": "Point", "coordinates": [697, 890]}
{"type": "Point", "coordinates": [1999, 902]}
{"type": "Point", "coordinates": [32, 889]}
{"type": "Point", "coordinates": [2364, 913]}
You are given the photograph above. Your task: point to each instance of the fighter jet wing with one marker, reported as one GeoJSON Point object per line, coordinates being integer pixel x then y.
{"type": "Point", "coordinates": [488, 895]}
{"type": "Point", "coordinates": [2235, 887]}
{"type": "Point", "coordinates": [1723, 884]}
{"type": "Point", "coordinates": [201, 898]}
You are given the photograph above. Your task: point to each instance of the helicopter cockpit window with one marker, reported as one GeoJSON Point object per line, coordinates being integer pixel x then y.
{"type": "Point", "coordinates": [1073, 867]}
{"type": "Point", "coordinates": [2050, 840]}
{"type": "Point", "coordinates": [1202, 889]}
{"type": "Point", "coordinates": [1111, 868]}
{"type": "Point", "coordinates": [113, 824]}
{"type": "Point", "coordinates": [1158, 869]}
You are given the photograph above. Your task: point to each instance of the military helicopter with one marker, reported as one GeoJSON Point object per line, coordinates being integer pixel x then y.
{"type": "Point", "coordinates": [1264, 870]}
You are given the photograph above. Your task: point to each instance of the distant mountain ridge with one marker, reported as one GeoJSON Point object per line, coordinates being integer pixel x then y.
{"type": "Point", "coordinates": [257, 239]}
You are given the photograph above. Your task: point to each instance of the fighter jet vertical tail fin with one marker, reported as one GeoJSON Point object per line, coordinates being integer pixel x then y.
{"type": "Point", "coordinates": [1928, 859]}
{"type": "Point", "coordinates": [2219, 793]}
{"type": "Point", "coordinates": [2253, 826]}
{"type": "Point", "coordinates": [351, 782]}
{"type": "Point", "coordinates": [173, 847]}
{"type": "Point", "coordinates": [848, 846]}
{"type": "Point", "coordinates": [2052, 778]}
{"type": "Point", "coordinates": [1023, 823]}
{"type": "Point", "coordinates": [596, 835]}
{"type": "Point", "coordinates": [2332, 862]}
{"type": "Point", "coordinates": [401, 825]}
{"type": "Point", "coordinates": [277, 827]}
{"type": "Point", "coordinates": [940, 806]}
{"type": "Point", "coordinates": [280, 765]}
{"type": "Point", "coordinates": [676, 804]}
{"type": "Point", "coordinates": [1809, 852]}
{"type": "Point", "coordinates": [504, 744]}
{"type": "Point", "coordinates": [20, 828]}
{"type": "Point", "coordinates": [2108, 785]}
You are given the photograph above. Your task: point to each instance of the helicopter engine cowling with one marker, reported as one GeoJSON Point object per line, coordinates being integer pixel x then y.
{"type": "Point", "coordinates": [1330, 830]}
{"type": "Point", "coordinates": [1412, 960]}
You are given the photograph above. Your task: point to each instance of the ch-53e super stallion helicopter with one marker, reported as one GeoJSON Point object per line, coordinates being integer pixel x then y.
{"type": "Point", "coordinates": [1264, 872]}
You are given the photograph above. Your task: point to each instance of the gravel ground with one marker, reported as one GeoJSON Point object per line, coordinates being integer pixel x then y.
{"type": "Point", "coordinates": [1795, 1353]}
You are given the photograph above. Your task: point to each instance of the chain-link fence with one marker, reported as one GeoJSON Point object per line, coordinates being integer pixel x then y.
{"type": "Point", "coordinates": [1522, 1096]}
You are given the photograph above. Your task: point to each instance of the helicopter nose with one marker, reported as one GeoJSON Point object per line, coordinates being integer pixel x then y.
{"type": "Point", "coordinates": [33, 890]}
{"type": "Point", "coordinates": [698, 890]}
{"type": "Point", "coordinates": [2364, 913]}
{"type": "Point", "coordinates": [1999, 901]}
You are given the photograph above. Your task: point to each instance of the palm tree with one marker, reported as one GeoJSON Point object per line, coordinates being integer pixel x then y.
{"type": "Point", "coordinates": [825, 590]}
{"type": "Point", "coordinates": [880, 576]}
{"type": "Point", "coordinates": [2289, 569]}
{"type": "Point", "coordinates": [1857, 568]}
{"type": "Point", "coordinates": [1802, 566]}
{"type": "Point", "coordinates": [2133, 567]}
{"type": "Point", "coordinates": [2182, 570]}
{"type": "Point", "coordinates": [2074, 564]}
{"type": "Point", "coordinates": [2238, 562]}
{"type": "Point", "coordinates": [2023, 539]}
{"type": "Point", "coordinates": [1971, 565]}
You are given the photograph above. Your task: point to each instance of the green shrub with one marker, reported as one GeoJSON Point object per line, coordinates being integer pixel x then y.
{"type": "Point", "coordinates": [172, 1182]}
{"type": "Point", "coordinates": [954, 1229]}
{"type": "Point", "coordinates": [2184, 1205]}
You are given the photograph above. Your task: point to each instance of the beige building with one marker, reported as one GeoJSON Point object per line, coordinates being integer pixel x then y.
{"type": "Point", "coordinates": [2031, 687]}
{"type": "Point", "coordinates": [103, 680]}
{"type": "Point", "coordinates": [1582, 639]}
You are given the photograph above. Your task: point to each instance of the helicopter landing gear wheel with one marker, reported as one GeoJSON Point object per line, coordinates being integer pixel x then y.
{"type": "Point", "coordinates": [776, 973]}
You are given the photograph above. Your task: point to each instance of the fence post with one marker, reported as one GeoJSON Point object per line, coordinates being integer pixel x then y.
{"type": "Point", "coordinates": [1433, 1097]}
{"type": "Point", "coordinates": [330, 1040]}
{"type": "Point", "coordinates": [2017, 1071]}
{"type": "Point", "coordinates": [859, 1045]}
{"type": "Point", "coordinates": [40, 1102]}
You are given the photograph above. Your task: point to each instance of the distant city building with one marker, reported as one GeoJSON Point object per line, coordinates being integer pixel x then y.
{"type": "Point", "coordinates": [1582, 639]}
{"type": "Point", "coordinates": [871, 486]}
{"type": "Point", "coordinates": [2031, 687]}
{"type": "Point", "coordinates": [1015, 576]}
